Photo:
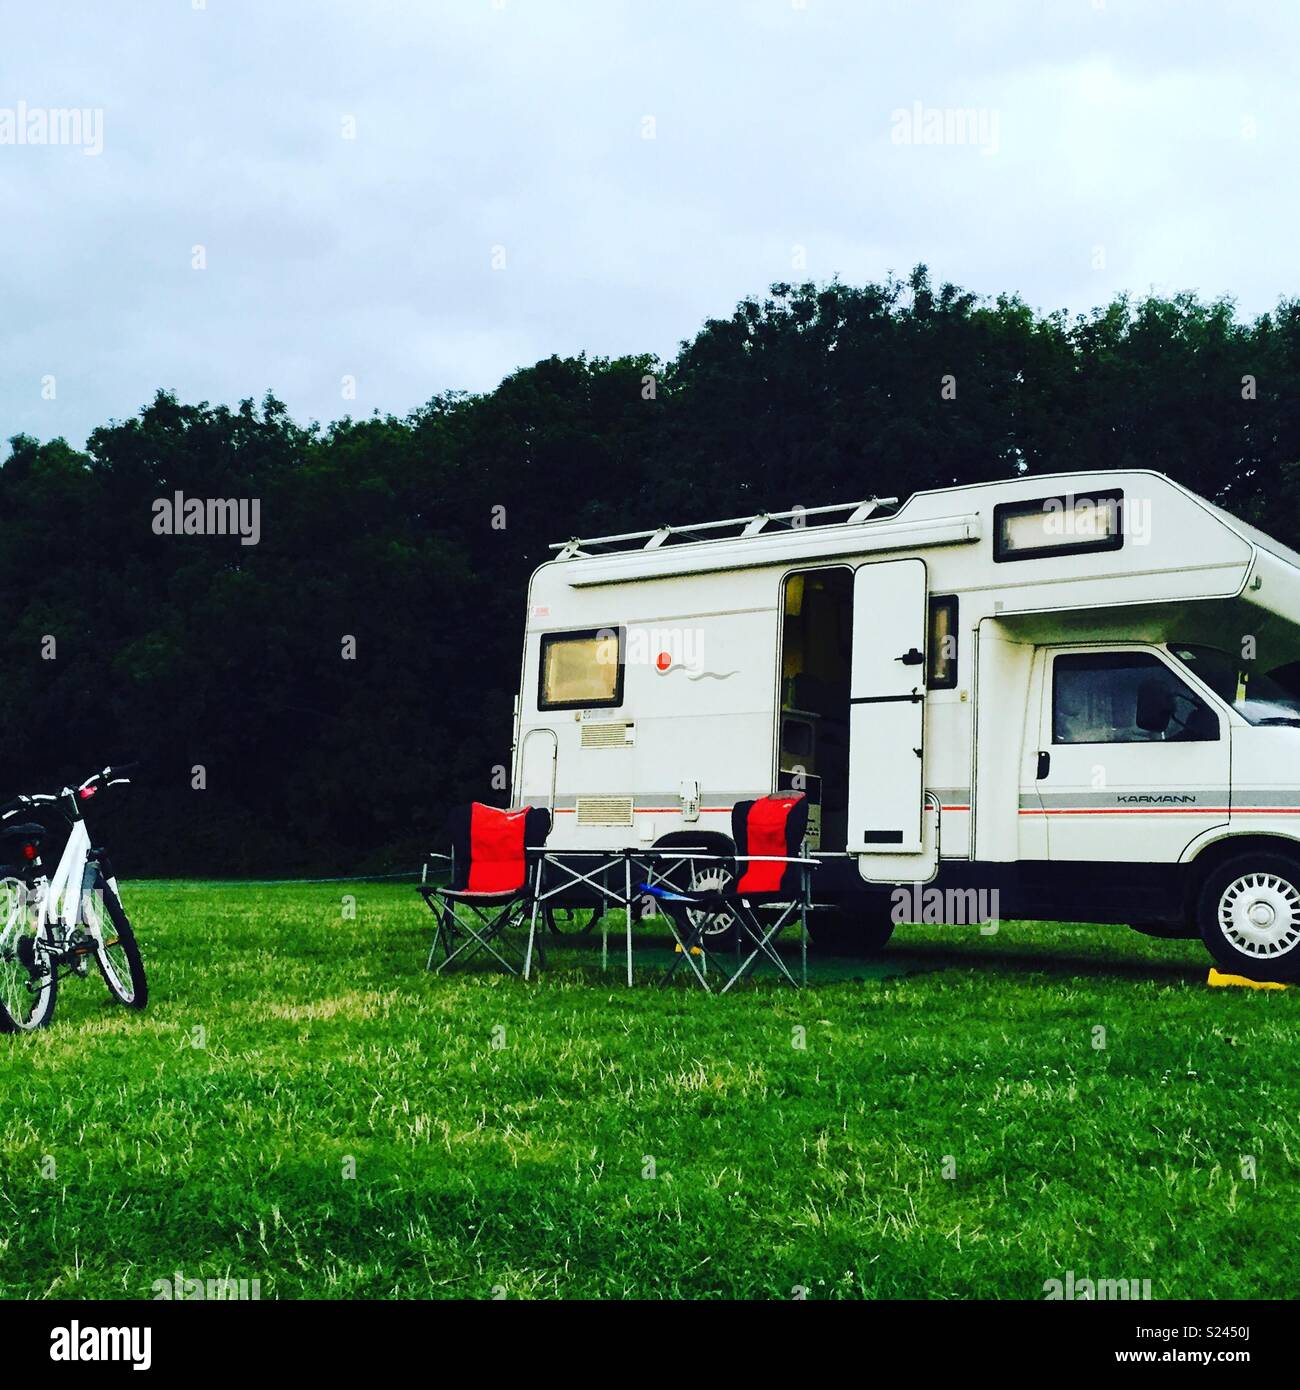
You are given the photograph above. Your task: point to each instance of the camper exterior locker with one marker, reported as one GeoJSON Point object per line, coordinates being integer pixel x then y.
{"type": "Point", "coordinates": [1074, 689]}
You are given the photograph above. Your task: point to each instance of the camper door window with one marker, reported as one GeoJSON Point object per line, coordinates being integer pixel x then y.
{"type": "Point", "coordinates": [942, 652]}
{"type": "Point", "coordinates": [581, 670]}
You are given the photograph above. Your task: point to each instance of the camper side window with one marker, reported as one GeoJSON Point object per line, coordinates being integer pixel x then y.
{"type": "Point", "coordinates": [1066, 525]}
{"type": "Point", "coordinates": [581, 670]}
{"type": "Point", "coordinates": [941, 654]}
{"type": "Point", "coordinates": [1125, 697]}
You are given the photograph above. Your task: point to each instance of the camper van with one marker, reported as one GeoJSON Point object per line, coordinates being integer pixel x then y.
{"type": "Point", "coordinates": [1081, 691]}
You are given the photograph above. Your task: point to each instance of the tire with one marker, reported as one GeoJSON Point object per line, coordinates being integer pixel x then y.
{"type": "Point", "coordinates": [1167, 931]}
{"type": "Point", "coordinates": [23, 1009]}
{"type": "Point", "coordinates": [119, 957]}
{"type": "Point", "coordinates": [719, 928]}
{"type": "Point", "coordinates": [1248, 913]}
{"type": "Point", "coordinates": [859, 930]}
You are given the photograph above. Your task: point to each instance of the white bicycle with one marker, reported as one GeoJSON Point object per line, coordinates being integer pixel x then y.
{"type": "Point", "coordinates": [50, 927]}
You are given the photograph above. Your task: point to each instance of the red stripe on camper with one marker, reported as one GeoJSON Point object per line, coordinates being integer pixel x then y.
{"type": "Point", "coordinates": [1127, 811]}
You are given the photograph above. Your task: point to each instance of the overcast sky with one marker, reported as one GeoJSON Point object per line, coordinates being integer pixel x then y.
{"type": "Point", "coordinates": [425, 196]}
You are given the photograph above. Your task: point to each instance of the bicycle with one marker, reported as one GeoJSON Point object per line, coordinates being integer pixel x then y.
{"type": "Point", "coordinates": [50, 927]}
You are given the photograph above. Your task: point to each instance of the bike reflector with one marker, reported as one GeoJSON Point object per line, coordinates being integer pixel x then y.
{"type": "Point", "coordinates": [87, 792]}
{"type": "Point", "coordinates": [29, 851]}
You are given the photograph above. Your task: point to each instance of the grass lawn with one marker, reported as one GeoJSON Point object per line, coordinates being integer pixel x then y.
{"type": "Point", "coordinates": [573, 1138]}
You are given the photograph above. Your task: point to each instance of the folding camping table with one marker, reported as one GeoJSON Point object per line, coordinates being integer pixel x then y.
{"type": "Point", "coordinates": [599, 865]}
{"type": "Point", "coordinates": [611, 874]}
{"type": "Point", "coordinates": [620, 878]}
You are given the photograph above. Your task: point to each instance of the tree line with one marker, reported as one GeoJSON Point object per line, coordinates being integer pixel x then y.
{"type": "Point", "coordinates": [314, 702]}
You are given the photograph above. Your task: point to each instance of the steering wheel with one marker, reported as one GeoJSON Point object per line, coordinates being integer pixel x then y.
{"type": "Point", "coordinates": [1184, 724]}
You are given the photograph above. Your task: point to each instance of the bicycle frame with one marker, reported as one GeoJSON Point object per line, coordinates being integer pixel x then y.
{"type": "Point", "coordinates": [72, 877]}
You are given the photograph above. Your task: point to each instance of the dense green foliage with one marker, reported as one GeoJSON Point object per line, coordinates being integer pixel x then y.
{"type": "Point", "coordinates": [952, 1128]}
{"type": "Point", "coordinates": [197, 651]}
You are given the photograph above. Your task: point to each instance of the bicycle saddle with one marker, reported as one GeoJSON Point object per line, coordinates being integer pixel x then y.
{"type": "Point", "coordinates": [22, 832]}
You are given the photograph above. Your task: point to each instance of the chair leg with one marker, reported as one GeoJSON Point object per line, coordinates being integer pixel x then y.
{"type": "Point", "coordinates": [495, 931]}
{"type": "Point", "coordinates": [532, 938]}
{"type": "Point", "coordinates": [687, 944]}
{"type": "Point", "coordinates": [478, 936]}
{"type": "Point", "coordinates": [440, 934]}
{"type": "Point", "coordinates": [763, 945]}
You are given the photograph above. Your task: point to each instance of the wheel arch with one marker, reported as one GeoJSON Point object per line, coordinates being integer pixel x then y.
{"type": "Point", "coordinates": [1213, 852]}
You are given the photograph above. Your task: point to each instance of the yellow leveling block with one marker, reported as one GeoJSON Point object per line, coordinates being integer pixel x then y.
{"type": "Point", "coordinates": [1217, 980]}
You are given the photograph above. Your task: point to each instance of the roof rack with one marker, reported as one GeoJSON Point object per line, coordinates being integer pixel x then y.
{"type": "Point", "coordinates": [797, 519]}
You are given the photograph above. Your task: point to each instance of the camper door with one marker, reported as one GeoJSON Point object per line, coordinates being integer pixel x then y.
{"type": "Point", "coordinates": [1133, 762]}
{"type": "Point", "coordinates": [887, 718]}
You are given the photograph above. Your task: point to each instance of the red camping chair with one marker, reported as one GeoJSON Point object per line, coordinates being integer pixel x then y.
{"type": "Point", "coordinates": [771, 878]}
{"type": "Point", "coordinates": [493, 881]}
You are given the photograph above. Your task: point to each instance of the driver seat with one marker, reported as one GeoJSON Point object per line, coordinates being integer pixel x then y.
{"type": "Point", "coordinates": [22, 841]}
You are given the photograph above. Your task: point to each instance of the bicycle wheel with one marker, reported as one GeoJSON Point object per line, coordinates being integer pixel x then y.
{"type": "Point", "coordinates": [575, 926]}
{"type": "Point", "coordinates": [29, 981]}
{"type": "Point", "coordinates": [117, 952]}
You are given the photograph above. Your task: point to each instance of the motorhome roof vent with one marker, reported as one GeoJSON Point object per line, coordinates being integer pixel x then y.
{"type": "Point", "coordinates": [604, 810]}
{"type": "Point", "coordinates": [609, 733]}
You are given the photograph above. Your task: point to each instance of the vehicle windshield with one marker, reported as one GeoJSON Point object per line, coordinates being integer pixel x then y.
{"type": "Point", "coordinates": [1253, 694]}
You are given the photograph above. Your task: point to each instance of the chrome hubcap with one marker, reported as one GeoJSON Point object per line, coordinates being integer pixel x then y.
{"type": "Point", "coordinates": [709, 881]}
{"type": "Point", "coordinates": [1259, 914]}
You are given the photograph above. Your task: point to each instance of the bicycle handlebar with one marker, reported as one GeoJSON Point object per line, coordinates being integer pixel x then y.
{"type": "Point", "coordinates": [21, 802]}
{"type": "Point", "coordinates": [108, 777]}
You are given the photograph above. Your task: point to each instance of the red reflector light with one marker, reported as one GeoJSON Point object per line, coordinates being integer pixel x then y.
{"type": "Point", "coordinates": [29, 851]}
{"type": "Point", "coordinates": [87, 792]}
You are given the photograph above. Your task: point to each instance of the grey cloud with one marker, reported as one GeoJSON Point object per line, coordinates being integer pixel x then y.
{"type": "Point", "coordinates": [1124, 126]}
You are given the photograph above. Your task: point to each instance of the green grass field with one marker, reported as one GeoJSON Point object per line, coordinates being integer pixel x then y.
{"type": "Point", "coordinates": [573, 1138]}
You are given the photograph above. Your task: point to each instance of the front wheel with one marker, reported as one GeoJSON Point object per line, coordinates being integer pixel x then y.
{"type": "Point", "coordinates": [1248, 911]}
{"type": "Point", "coordinates": [117, 952]}
{"type": "Point", "coordinates": [29, 982]}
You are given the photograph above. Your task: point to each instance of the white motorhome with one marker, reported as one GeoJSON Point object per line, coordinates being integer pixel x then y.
{"type": "Point", "coordinates": [1079, 689]}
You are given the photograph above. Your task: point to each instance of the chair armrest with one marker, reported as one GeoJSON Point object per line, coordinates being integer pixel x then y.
{"type": "Point", "coordinates": [428, 859]}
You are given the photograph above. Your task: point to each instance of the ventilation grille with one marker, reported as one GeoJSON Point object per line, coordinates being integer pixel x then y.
{"type": "Point", "coordinates": [604, 810]}
{"type": "Point", "coordinates": [608, 734]}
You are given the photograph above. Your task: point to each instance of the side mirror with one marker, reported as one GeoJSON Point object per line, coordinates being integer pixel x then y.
{"type": "Point", "coordinates": [1155, 706]}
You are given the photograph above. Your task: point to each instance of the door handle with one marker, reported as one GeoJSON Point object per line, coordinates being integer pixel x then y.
{"type": "Point", "coordinates": [911, 657]}
{"type": "Point", "coordinates": [1044, 765]}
